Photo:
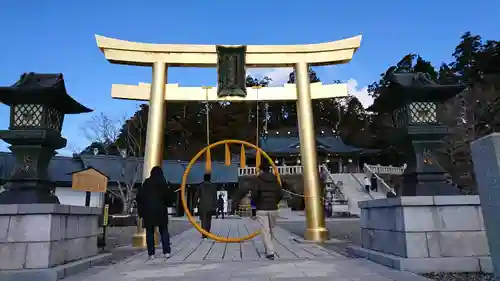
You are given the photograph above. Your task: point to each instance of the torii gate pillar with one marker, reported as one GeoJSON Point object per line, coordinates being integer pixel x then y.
{"type": "Point", "coordinates": [159, 56]}
{"type": "Point", "coordinates": [156, 120]}
{"type": "Point", "coordinates": [315, 218]}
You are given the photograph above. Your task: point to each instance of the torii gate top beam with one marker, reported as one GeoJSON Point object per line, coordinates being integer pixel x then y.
{"type": "Point", "coordinates": [145, 54]}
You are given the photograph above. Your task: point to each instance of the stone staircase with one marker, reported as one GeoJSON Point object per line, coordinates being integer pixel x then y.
{"type": "Point", "coordinates": [374, 194]}
{"type": "Point", "coordinates": [353, 189]}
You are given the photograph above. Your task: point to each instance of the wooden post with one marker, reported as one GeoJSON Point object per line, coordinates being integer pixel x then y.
{"type": "Point", "coordinates": [87, 198]}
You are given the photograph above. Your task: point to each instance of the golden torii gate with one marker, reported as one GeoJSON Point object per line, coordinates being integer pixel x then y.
{"type": "Point", "coordinates": [300, 57]}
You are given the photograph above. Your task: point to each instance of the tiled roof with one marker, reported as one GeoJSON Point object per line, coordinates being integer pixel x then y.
{"type": "Point", "coordinates": [291, 144]}
{"type": "Point", "coordinates": [61, 167]}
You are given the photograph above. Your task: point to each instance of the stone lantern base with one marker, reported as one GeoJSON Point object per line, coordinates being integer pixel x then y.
{"type": "Point", "coordinates": [424, 176]}
{"type": "Point", "coordinates": [425, 234]}
{"type": "Point", "coordinates": [29, 182]}
{"type": "Point", "coordinates": [427, 184]}
{"type": "Point", "coordinates": [40, 194]}
{"type": "Point", "coordinates": [47, 242]}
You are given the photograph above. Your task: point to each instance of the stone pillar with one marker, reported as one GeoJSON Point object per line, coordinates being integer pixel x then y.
{"type": "Point", "coordinates": [486, 159]}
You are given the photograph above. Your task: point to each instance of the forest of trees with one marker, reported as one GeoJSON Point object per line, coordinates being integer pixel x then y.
{"type": "Point", "coordinates": [472, 114]}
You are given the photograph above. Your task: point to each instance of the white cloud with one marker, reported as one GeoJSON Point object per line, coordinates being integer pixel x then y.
{"type": "Point", "coordinates": [359, 92]}
{"type": "Point", "coordinates": [279, 75]}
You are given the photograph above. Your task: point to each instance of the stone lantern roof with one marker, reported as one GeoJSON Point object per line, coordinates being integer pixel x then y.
{"type": "Point", "coordinates": [47, 89]}
{"type": "Point", "coordinates": [405, 88]}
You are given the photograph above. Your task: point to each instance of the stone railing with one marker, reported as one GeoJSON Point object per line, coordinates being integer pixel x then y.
{"type": "Point", "coordinates": [369, 171]}
{"type": "Point", "coordinates": [283, 170]}
{"type": "Point", "coordinates": [385, 170]}
{"type": "Point", "coordinates": [334, 194]}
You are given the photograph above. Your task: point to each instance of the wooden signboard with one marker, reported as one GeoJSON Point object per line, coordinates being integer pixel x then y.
{"type": "Point", "coordinates": [90, 180]}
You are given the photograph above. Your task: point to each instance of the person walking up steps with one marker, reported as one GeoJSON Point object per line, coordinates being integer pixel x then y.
{"type": "Point", "coordinates": [266, 195]}
{"type": "Point", "coordinates": [374, 183]}
{"type": "Point", "coordinates": [207, 198]}
{"type": "Point", "coordinates": [367, 184]}
{"type": "Point", "coordinates": [153, 199]}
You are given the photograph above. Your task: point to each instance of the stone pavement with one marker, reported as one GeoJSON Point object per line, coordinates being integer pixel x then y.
{"type": "Point", "coordinates": [196, 259]}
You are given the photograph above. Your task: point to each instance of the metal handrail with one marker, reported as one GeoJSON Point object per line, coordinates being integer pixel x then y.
{"type": "Point", "coordinates": [362, 185]}
{"type": "Point", "coordinates": [367, 167]}
{"type": "Point", "coordinates": [324, 168]}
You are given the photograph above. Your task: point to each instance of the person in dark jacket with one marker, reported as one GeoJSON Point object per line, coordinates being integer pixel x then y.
{"type": "Point", "coordinates": [267, 195]}
{"type": "Point", "coordinates": [220, 207]}
{"type": "Point", "coordinates": [374, 183]}
{"type": "Point", "coordinates": [152, 200]}
{"type": "Point", "coordinates": [207, 202]}
{"type": "Point", "coordinates": [254, 208]}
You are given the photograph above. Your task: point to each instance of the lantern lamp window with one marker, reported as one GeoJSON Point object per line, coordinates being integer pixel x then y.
{"type": "Point", "coordinates": [54, 119]}
{"type": "Point", "coordinates": [399, 117]}
{"type": "Point", "coordinates": [27, 115]}
{"type": "Point", "coordinates": [423, 113]}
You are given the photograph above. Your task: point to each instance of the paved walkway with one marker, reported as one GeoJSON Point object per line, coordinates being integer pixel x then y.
{"type": "Point", "coordinates": [196, 259]}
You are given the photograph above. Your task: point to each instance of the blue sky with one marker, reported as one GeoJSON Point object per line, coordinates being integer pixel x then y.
{"type": "Point", "coordinates": [58, 37]}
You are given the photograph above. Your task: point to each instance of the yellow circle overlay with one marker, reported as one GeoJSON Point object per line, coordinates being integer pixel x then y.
{"type": "Point", "coordinates": [183, 191]}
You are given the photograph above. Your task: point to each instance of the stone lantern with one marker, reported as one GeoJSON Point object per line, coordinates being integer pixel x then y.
{"type": "Point", "coordinates": [38, 103]}
{"type": "Point", "coordinates": [415, 102]}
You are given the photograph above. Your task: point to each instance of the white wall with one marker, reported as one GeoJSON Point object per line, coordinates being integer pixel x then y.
{"type": "Point", "coordinates": [68, 196]}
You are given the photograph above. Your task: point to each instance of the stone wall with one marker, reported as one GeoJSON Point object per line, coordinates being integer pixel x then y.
{"type": "Point", "coordinates": [39, 236]}
{"type": "Point", "coordinates": [425, 233]}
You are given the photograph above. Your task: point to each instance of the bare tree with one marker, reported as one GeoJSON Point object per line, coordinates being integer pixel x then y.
{"type": "Point", "coordinates": [470, 115]}
{"type": "Point", "coordinates": [124, 137]}
{"type": "Point", "coordinates": [103, 130]}
{"type": "Point", "coordinates": [125, 185]}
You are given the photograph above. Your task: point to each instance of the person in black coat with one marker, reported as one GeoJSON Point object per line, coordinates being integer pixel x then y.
{"type": "Point", "coordinates": [153, 199]}
{"type": "Point", "coordinates": [374, 183]}
{"type": "Point", "coordinates": [207, 202]}
{"type": "Point", "coordinates": [220, 207]}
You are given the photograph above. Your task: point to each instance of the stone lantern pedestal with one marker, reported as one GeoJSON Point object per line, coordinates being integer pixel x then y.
{"type": "Point", "coordinates": [33, 150]}
{"type": "Point", "coordinates": [42, 240]}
